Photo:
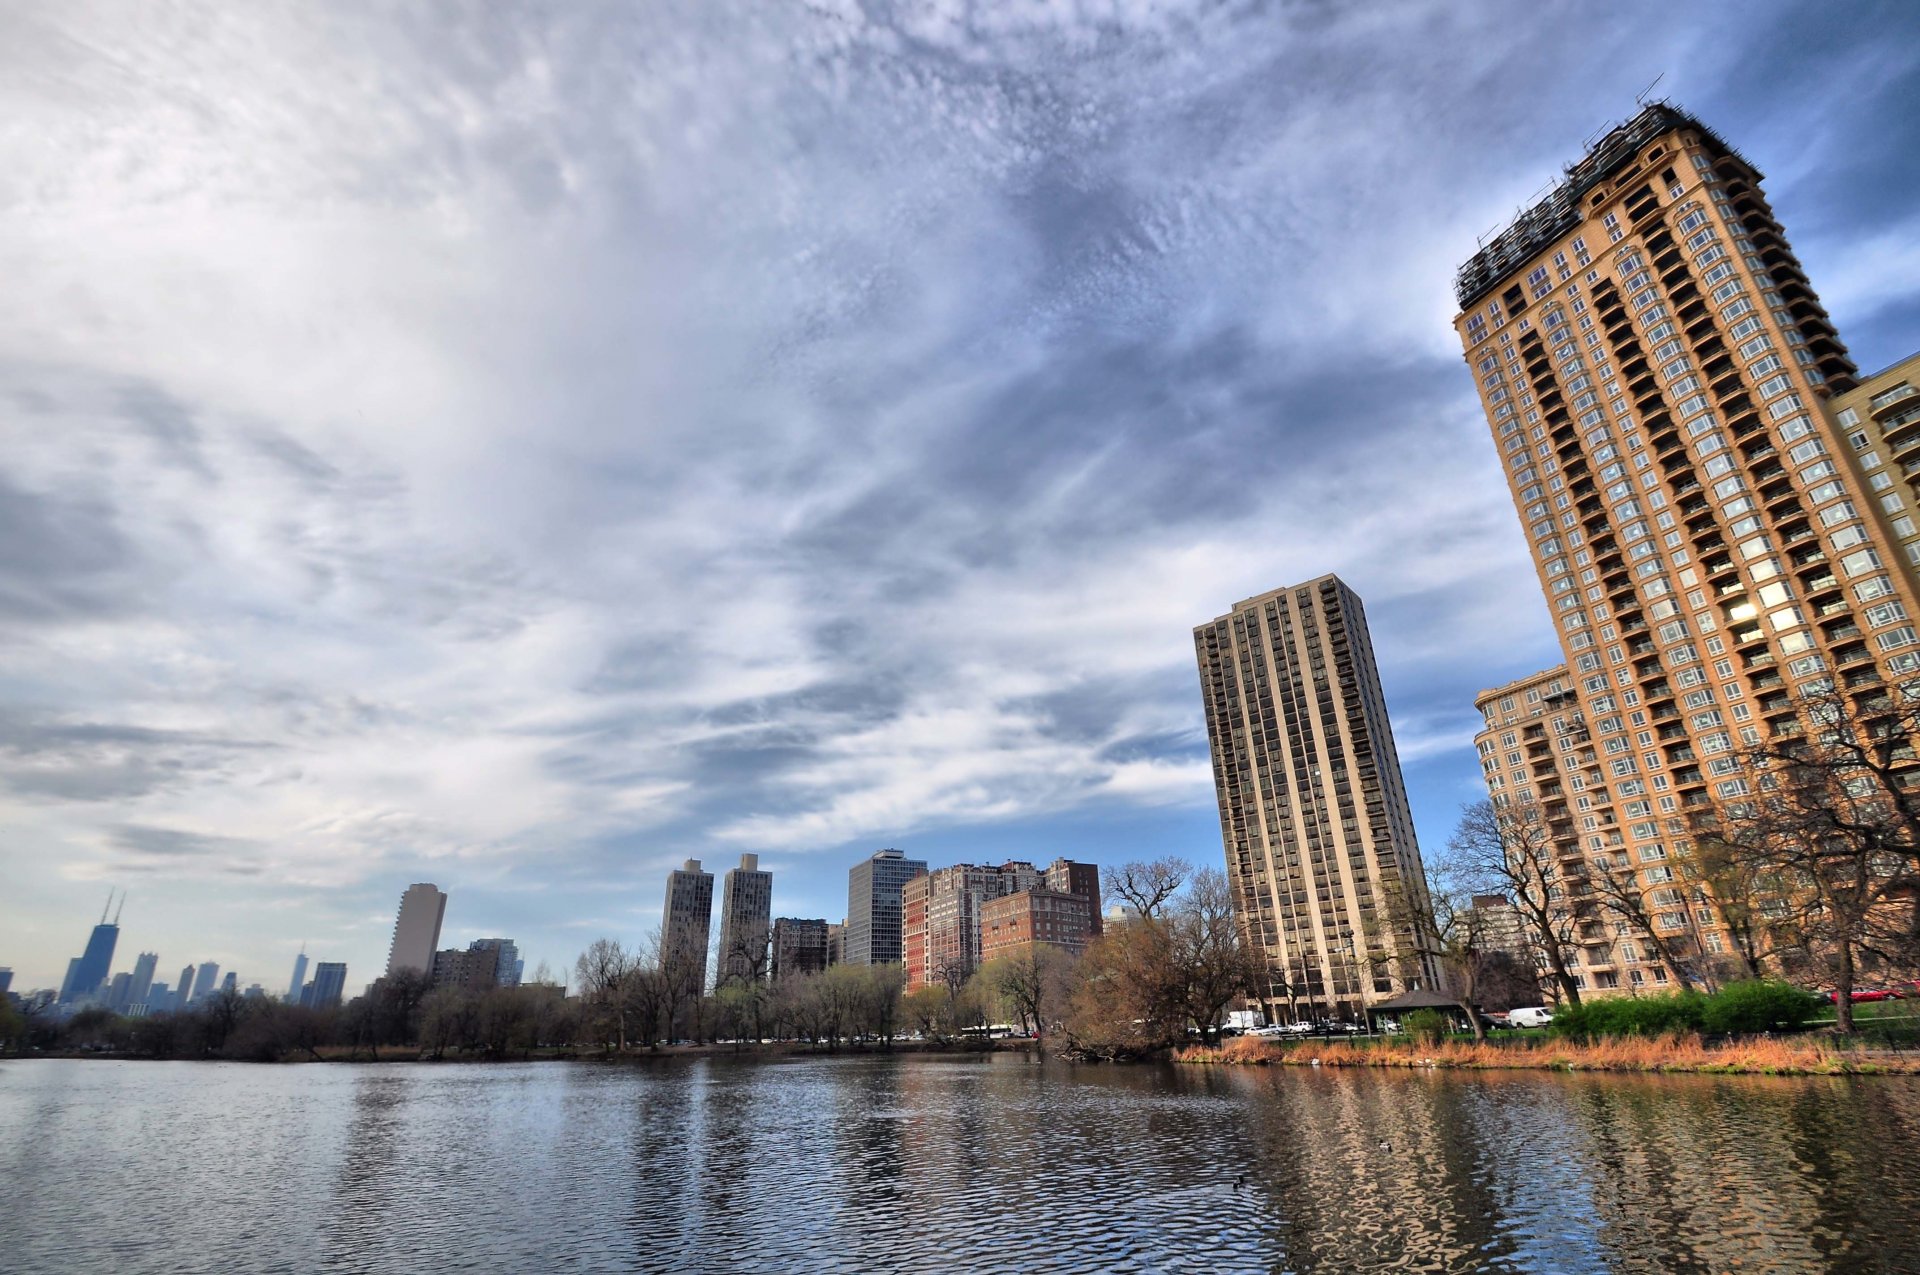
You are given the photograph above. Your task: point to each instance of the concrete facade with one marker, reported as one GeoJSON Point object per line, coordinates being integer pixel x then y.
{"type": "Point", "coordinates": [1321, 854]}
{"type": "Point", "coordinates": [416, 929]}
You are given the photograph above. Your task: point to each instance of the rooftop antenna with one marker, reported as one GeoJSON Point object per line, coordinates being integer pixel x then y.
{"type": "Point", "coordinates": [1640, 98]}
{"type": "Point", "coordinates": [122, 907]}
{"type": "Point", "coordinates": [107, 906]}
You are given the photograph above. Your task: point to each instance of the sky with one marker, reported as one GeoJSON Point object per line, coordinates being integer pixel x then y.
{"type": "Point", "coordinates": [523, 447]}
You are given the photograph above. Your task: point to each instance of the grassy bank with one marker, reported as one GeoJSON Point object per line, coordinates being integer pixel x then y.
{"type": "Point", "coordinates": [1685, 1053]}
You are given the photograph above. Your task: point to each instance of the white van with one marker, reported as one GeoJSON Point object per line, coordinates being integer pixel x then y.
{"type": "Point", "coordinates": [1535, 1016]}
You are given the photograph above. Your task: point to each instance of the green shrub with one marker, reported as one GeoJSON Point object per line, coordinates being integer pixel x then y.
{"type": "Point", "coordinates": [1759, 1006]}
{"type": "Point", "coordinates": [1631, 1016]}
{"type": "Point", "coordinates": [1426, 1026]}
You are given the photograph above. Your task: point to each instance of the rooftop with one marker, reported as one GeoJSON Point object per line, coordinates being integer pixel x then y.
{"type": "Point", "coordinates": [1559, 210]}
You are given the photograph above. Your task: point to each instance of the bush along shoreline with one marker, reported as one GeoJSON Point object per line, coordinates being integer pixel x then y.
{"type": "Point", "coordinates": [1686, 1053]}
{"type": "Point", "coordinates": [1745, 1028]}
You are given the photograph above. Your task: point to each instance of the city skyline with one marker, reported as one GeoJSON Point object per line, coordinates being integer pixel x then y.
{"type": "Point", "coordinates": [909, 551]}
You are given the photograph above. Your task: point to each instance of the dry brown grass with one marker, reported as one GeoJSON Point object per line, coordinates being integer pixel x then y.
{"type": "Point", "coordinates": [1801, 1057]}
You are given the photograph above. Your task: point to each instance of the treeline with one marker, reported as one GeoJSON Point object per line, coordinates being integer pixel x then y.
{"type": "Point", "coordinates": [401, 1012]}
{"type": "Point", "coordinates": [1172, 966]}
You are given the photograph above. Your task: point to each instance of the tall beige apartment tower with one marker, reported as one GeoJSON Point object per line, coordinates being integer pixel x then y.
{"type": "Point", "coordinates": [1320, 847]}
{"type": "Point", "coordinates": [746, 921]}
{"type": "Point", "coordinates": [686, 921]}
{"type": "Point", "coordinates": [416, 930]}
{"type": "Point", "coordinates": [1666, 393]}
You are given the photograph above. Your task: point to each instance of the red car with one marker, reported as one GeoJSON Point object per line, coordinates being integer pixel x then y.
{"type": "Point", "coordinates": [1863, 994]}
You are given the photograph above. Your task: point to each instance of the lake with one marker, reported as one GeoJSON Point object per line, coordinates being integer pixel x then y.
{"type": "Point", "coordinates": [925, 1163]}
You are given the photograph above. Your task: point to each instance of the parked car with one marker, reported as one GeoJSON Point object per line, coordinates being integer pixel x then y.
{"type": "Point", "coordinates": [1496, 1018]}
{"type": "Point", "coordinates": [1863, 995]}
{"type": "Point", "coordinates": [1532, 1016]}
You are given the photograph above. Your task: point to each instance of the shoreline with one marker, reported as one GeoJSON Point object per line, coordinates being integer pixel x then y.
{"type": "Point", "coordinates": [1685, 1055]}
{"type": "Point", "coordinates": [402, 1054]}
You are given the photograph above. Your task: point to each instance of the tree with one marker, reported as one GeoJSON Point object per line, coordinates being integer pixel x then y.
{"type": "Point", "coordinates": [1211, 966]}
{"type": "Point", "coordinates": [1617, 889]}
{"type": "Point", "coordinates": [1146, 885]}
{"type": "Point", "coordinates": [1830, 821]}
{"type": "Point", "coordinates": [603, 970]}
{"type": "Point", "coordinates": [1463, 931]}
{"type": "Point", "coordinates": [1032, 982]}
{"type": "Point", "coordinates": [1510, 850]}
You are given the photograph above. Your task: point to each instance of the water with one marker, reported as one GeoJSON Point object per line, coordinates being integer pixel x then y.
{"type": "Point", "coordinates": [913, 1163]}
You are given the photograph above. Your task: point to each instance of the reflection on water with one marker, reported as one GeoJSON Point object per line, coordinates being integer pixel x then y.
{"type": "Point", "coordinates": [943, 1164]}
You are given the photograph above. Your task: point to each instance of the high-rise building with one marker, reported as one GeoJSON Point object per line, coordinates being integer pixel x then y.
{"type": "Point", "coordinates": [299, 975]}
{"type": "Point", "coordinates": [944, 914]}
{"type": "Point", "coordinates": [205, 980]}
{"type": "Point", "coordinates": [142, 986]}
{"type": "Point", "coordinates": [117, 992]}
{"type": "Point", "coordinates": [87, 976]}
{"type": "Point", "coordinates": [746, 909]}
{"type": "Point", "coordinates": [507, 966]}
{"type": "Point", "coordinates": [1038, 915]}
{"type": "Point", "coordinates": [686, 922]}
{"type": "Point", "coordinates": [872, 927]}
{"type": "Point", "coordinates": [328, 986]}
{"type": "Point", "coordinates": [476, 969]}
{"type": "Point", "coordinates": [799, 946]}
{"type": "Point", "coordinates": [836, 944]}
{"type": "Point", "coordinates": [231, 983]}
{"type": "Point", "coordinates": [1880, 418]}
{"type": "Point", "coordinates": [6, 980]}
{"type": "Point", "coordinates": [416, 930]}
{"type": "Point", "coordinates": [1321, 857]}
{"type": "Point", "coordinates": [184, 992]}
{"type": "Point", "coordinates": [1715, 512]}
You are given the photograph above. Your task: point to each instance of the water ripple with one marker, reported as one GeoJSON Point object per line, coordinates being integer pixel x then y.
{"type": "Point", "coordinates": [911, 1163]}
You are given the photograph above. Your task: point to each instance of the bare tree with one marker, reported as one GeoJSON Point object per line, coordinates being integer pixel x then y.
{"type": "Point", "coordinates": [603, 970]}
{"type": "Point", "coordinates": [1617, 889]}
{"type": "Point", "coordinates": [1211, 964]}
{"type": "Point", "coordinates": [1147, 884]}
{"type": "Point", "coordinates": [1831, 818]}
{"type": "Point", "coordinates": [1510, 850]}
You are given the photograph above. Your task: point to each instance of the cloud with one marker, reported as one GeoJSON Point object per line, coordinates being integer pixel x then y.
{"type": "Point", "coordinates": [522, 449]}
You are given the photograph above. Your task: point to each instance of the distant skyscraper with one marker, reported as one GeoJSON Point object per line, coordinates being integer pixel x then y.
{"type": "Point", "coordinates": [117, 990]}
{"type": "Point", "coordinates": [231, 983]}
{"type": "Point", "coordinates": [872, 934]}
{"type": "Point", "coordinates": [507, 967]}
{"type": "Point", "coordinates": [87, 976]}
{"type": "Point", "coordinates": [799, 946]}
{"type": "Point", "coordinates": [184, 992]}
{"type": "Point", "coordinates": [143, 967]}
{"type": "Point", "coordinates": [746, 910]}
{"type": "Point", "coordinates": [329, 983]}
{"type": "Point", "coordinates": [1313, 813]}
{"type": "Point", "coordinates": [205, 981]}
{"type": "Point", "coordinates": [6, 980]}
{"type": "Point", "coordinates": [687, 921]}
{"type": "Point", "coordinates": [299, 975]}
{"type": "Point", "coordinates": [416, 931]}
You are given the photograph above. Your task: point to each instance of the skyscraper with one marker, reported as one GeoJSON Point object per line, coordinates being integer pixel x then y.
{"type": "Point", "coordinates": [1715, 536]}
{"type": "Point", "coordinates": [205, 980]}
{"type": "Point", "coordinates": [1321, 855]}
{"type": "Point", "coordinates": [6, 980]}
{"type": "Point", "coordinates": [143, 967]}
{"type": "Point", "coordinates": [872, 933]}
{"type": "Point", "coordinates": [685, 924]}
{"type": "Point", "coordinates": [184, 992]}
{"type": "Point", "coordinates": [87, 976]}
{"type": "Point", "coordinates": [416, 930]}
{"type": "Point", "coordinates": [746, 911]}
{"type": "Point", "coordinates": [299, 975]}
{"type": "Point", "coordinates": [329, 983]}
